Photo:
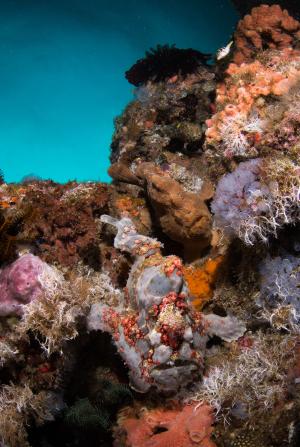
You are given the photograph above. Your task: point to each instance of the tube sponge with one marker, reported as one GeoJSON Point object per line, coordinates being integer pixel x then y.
{"type": "Point", "coordinates": [127, 238]}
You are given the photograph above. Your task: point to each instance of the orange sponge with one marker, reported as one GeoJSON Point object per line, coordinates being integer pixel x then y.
{"type": "Point", "coordinates": [201, 280]}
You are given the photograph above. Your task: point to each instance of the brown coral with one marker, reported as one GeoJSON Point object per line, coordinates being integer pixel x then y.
{"type": "Point", "coordinates": [122, 173]}
{"type": "Point", "coordinates": [12, 214]}
{"type": "Point", "coordinates": [191, 426]}
{"type": "Point", "coordinates": [182, 215]}
{"type": "Point", "coordinates": [135, 208]}
{"type": "Point", "coordinates": [266, 27]}
{"type": "Point", "coordinates": [168, 116]}
{"type": "Point", "coordinates": [63, 226]}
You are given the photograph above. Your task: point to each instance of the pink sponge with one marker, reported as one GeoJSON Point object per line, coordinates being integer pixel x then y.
{"type": "Point", "coordinates": [188, 427]}
{"type": "Point", "coordinates": [19, 284]}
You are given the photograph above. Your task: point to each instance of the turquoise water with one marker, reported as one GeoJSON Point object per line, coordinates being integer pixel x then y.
{"type": "Point", "coordinates": [62, 74]}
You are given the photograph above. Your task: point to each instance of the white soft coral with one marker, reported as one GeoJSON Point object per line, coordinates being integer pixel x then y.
{"type": "Point", "coordinates": [234, 134]}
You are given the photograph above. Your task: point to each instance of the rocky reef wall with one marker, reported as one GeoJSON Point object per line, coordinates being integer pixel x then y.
{"type": "Point", "coordinates": [163, 309]}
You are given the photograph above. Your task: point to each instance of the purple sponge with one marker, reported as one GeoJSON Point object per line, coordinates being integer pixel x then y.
{"type": "Point", "coordinates": [19, 284]}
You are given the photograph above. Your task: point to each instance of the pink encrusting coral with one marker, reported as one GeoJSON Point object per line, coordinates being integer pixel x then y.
{"type": "Point", "coordinates": [20, 284]}
{"type": "Point", "coordinates": [187, 427]}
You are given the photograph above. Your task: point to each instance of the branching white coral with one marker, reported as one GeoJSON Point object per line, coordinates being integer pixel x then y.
{"type": "Point", "coordinates": [258, 198]}
{"type": "Point", "coordinates": [234, 130]}
{"type": "Point", "coordinates": [255, 379]}
{"type": "Point", "coordinates": [234, 140]}
{"type": "Point", "coordinates": [189, 181]}
{"type": "Point", "coordinates": [18, 404]}
{"type": "Point", "coordinates": [7, 351]}
{"type": "Point", "coordinates": [102, 289]}
{"type": "Point", "coordinates": [280, 291]}
{"type": "Point", "coordinates": [254, 124]}
{"type": "Point", "coordinates": [83, 190]}
{"type": "Point", "coordinates": [53, 318]}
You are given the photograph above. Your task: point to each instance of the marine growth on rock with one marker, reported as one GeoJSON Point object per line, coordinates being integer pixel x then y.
{"type": "Point", "coordinates": [162, 309]}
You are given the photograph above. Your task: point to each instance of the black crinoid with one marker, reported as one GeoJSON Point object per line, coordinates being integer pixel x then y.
{"type": "Point", "coordinates": [163, 62]}
{"type": "Point", "coordinates": [1, 177]}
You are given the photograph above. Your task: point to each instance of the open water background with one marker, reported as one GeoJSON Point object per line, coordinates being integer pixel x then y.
{"type": "Point", "coordinates": [62, 65]}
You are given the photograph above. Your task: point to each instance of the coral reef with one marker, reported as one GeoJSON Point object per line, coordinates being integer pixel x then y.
{"type": "Point", "coordinates": [149, 311]}
{"type": "Point", "coordinates": [70, 232]}
{"type": "Point", "coordinates": [54, 318]}
{"type": "Point", "coordinates": [157, 146]}
{"type": "Point", "coordinates": [12, 216]}
{"type": "Point", "coordinates": [18, 406]}
{"type": "Point", "coordinates": [256, 119]}
{"type": "Point", "coordinates": [164, 117]}
{"type": "Point", "coordinates": [237, 127]}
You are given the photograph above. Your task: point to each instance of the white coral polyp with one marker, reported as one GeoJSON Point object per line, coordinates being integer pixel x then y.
{"type": "Point", "coordinates": [234, 134]}
{"type": "Point", "coordinates": [279, 291]}
{"type": "Point", "coordinates": [257, 199]}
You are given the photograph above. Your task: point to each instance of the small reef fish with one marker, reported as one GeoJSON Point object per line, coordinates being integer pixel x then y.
{"type": "Point", "coordinates": [223, 52]}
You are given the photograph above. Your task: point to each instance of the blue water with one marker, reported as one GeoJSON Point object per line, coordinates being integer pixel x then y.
{"type": "Point", "coordinates": [62, 65]}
